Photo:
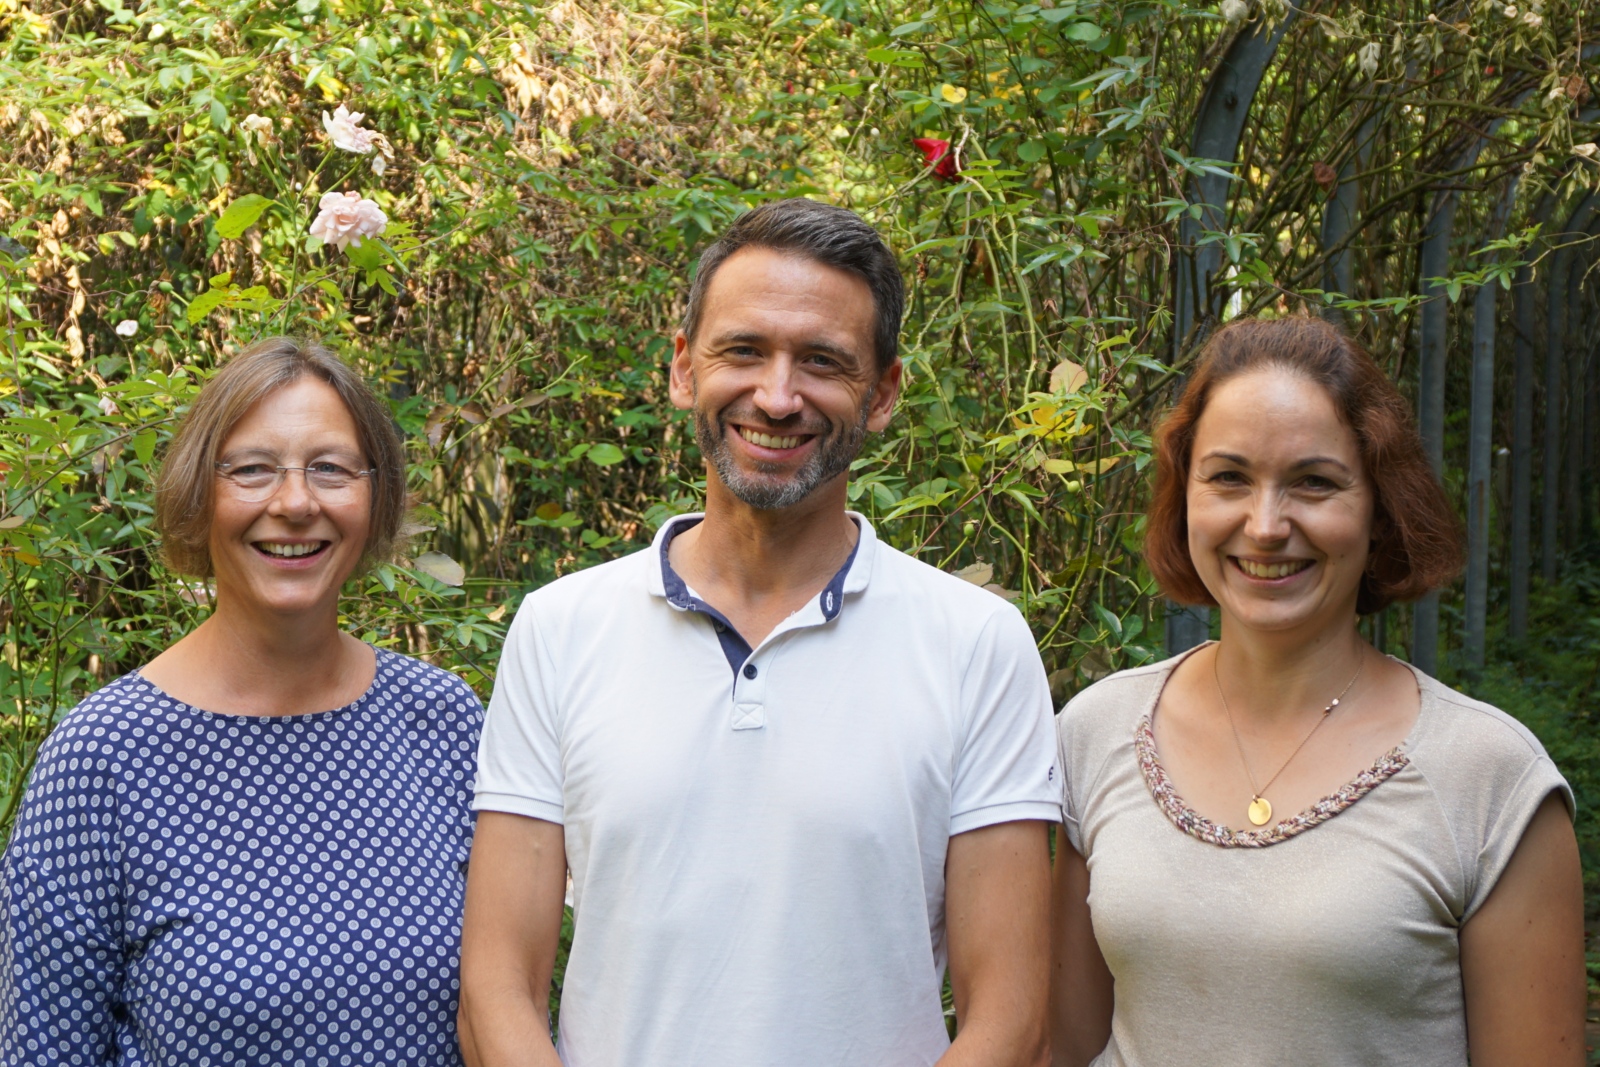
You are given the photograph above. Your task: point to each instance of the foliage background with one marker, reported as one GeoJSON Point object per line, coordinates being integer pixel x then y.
{"type": "Point", "coordinates": [556, 167]}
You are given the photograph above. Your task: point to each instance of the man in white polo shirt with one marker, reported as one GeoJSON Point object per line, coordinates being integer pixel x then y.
{"type": "Point", "coordinates": [795, 773]}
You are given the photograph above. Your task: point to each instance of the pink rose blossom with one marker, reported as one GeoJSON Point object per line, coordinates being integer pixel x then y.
{"type": "Point", "coordinates": [346, 218]}
{"type": "Point", "coordinates": [344, 130]}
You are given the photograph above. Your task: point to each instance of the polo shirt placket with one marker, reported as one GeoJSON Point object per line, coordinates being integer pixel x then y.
{"type": "Point", "coordinates": [749, 665]}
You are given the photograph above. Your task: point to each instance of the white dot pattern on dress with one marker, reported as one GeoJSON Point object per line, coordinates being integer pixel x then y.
{"type": "Point", "coordinates": [190, 888]}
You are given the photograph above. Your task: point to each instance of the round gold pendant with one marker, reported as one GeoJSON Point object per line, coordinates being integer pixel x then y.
{"type": "Point", "coordinates": [1260, 811]}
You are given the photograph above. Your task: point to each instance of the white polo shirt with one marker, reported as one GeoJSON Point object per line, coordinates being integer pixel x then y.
{"type": "Point", "coordinates": [758, 845]}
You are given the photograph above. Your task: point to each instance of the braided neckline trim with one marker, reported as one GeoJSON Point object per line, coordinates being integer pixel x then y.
{"type": "Point", "coordinates": [1198, 826]}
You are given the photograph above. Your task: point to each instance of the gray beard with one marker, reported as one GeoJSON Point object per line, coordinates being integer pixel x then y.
{"type": "Point", "coordinates": [838, 450]}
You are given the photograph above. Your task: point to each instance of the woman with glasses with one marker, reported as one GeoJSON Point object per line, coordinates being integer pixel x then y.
{"type": "Point", "coordinates": [252, 850]}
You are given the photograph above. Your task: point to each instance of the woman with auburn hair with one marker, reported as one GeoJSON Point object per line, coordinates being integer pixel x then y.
{"type": "Point", "coordinates": [252, 850]}
{"type": "Point", "coordinates": [1283, 847]}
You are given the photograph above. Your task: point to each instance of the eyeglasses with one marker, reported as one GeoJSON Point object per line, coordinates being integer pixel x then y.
{"type": "Point", "coordinates": [253, 481]}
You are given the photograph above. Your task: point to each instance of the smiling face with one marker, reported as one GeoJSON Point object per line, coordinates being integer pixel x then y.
{"type": "Point", "coordinates": [782, 377]}
{"type": "Point", "coordinates": [1280, 509]}
{"type": "Point", "coordinates": [289, 553]}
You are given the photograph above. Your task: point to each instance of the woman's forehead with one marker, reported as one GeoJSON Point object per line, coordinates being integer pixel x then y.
{"type": "Point", "coordinates": [1274, 412]}
{"type": "Point", "coordinates": [304, 411]}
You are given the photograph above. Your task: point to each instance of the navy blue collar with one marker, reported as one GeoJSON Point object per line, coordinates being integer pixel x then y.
{"type": "Point", "coordinates": [734, 646]}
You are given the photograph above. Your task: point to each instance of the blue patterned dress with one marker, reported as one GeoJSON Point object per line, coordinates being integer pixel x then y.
{"type": "Point", "coordinates": [190, 888]}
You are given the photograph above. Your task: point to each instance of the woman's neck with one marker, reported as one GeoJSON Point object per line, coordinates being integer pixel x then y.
{"type": "Point", "coordinates": [1270, 675]}
{"type": "Point", "coordinates": [239, 663]}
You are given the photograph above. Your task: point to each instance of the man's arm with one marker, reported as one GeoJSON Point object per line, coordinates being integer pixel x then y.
{"type": "Point", "coordinates": [1080, 982]}
{"type": "Point", "coordinates": [516, 883]}
{"type": "Point", "coordinates": [1522, 953]}
{"type": "Point", "coordinates": [997, 922]}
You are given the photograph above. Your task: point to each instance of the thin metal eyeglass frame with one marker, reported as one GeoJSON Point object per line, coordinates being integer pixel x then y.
{"type": "Point", "coordinates": [254, 496]}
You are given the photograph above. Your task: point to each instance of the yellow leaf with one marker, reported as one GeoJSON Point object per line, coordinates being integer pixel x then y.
{"type": "Point", "coordinates": [29, 558]}
{"type": "Point", "coordinates": [952, 94]}
{"type": "Point", "coordinates": [1099, 466]}
{"type": "Point", "coordinates": [549, 511]}
{"type": "Point", "coordinates": [979, 573]}
{"type": "Point", "coordinates": [1057, 466]}
{"type": "Point", "coordinates": [439, 566]}
{"type": "Point", "coordinates": [1067, 377]}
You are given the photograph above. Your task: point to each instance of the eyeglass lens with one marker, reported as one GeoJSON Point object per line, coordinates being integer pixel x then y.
{"type": "Point", "coordinates": [254, 480]}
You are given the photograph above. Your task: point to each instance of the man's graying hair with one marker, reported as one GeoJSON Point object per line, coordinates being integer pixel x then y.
{"type": "Point", "coordinates": [830, 235]}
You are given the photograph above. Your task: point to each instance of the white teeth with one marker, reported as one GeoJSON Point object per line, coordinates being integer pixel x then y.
{"type": "Point", "coordinates": [1272, 570]}
{"type": "Point", "coordinates": [287, 551]}
{"type": "Point", "coordinates": [767, 440]}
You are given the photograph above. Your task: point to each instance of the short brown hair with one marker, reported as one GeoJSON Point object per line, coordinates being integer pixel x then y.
{"type": "Point", "coordinates": [1416, 537]}
{"type": "Point", "coordinates": [833, 236]}
{"type": "Point", "coordinates": [186, 488]}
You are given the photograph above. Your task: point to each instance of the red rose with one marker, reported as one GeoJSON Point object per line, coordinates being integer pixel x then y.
{"type": "Point", "coordinates": [937, 154]}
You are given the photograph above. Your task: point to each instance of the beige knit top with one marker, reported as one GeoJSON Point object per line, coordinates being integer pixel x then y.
{"type": "Point", "coordinates": [1330, 938]}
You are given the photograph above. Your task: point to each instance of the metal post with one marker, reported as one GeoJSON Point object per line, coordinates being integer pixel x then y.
{"type": "Point", "coordinates": [1521, 455]}
{"type": "Point", "coordinates": [1554, 357]}
{"type": "Point", "coordinates": [1218, 124]}
{"type": "Point", "coordinates": [1580, 323]}
{"type": "Point", "coordinates": [1339, 219]}
{"type": "Point", "coordinates": [1480, 447]}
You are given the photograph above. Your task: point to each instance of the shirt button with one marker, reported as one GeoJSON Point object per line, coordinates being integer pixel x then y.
{"type": "Point", "coordinates": [750, 670]}
{"type": "Point", "coordinates": [718, 625]}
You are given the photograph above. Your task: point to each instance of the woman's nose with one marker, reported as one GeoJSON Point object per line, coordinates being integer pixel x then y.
{"type": "Point", "coordinates": [293, 497]}
{"type": "Point", "coordinates": [1267, 521]}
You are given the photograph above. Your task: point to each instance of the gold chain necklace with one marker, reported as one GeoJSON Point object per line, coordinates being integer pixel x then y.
{"type": "Point", "coordinates": [1260, 809]}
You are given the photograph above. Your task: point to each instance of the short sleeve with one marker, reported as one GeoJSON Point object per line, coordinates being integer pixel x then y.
{"type": "Point", "coordinates": [1504, 831]}
{"type": "Point", "coordinates": [60, 952]}
{"type": "Point", "coordinates": [1006, 769]}
{"type": "Point", "coordinates": [1069, 807]}
{"type": "Point", "coordinates": [519, 757]}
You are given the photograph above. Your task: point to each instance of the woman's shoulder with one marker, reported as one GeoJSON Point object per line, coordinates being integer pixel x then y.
{"type": "Point", "coordinates": [1487, 772]}
{"type": "Point", "coordinates": [397, 671]}
{"type": "Point", "coordinates": [1127, 692]}
{"type": "Point", "coordinates": [1471, 736]}
{"type": "Point", "coordinates": [1108, 710]}
{"type": "Point", "coordinates": [94, 742]}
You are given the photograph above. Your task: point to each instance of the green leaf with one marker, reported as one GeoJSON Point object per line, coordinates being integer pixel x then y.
{"type": "Point", "coordinates": [895, 57]}
{"type": "Point", "coordinates": [144, 446]}
{"type": "Point", "coordinates": [205, 304]}
{"type": "Point", "coordinates": [368, 255]}
{"type": "Point", "coordinates": [221, 281]}
{"type": "Point", "coordinates": [1032, 151]}
{"type": "Point", "coordinates": [1082, 31]}
{"type": "Point", "coordinates": [386, 283]}
{"type": "Point", "coordinates": [241, 215]}
{"type": "Point", "coordinates": [605, 454]}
